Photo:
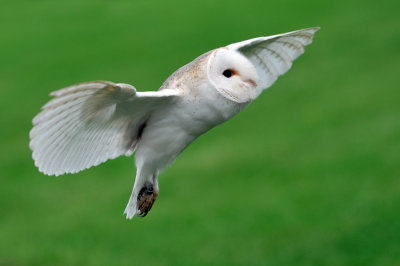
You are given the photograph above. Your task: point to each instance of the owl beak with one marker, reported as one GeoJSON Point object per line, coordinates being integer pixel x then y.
{"type": "Point", "coordinates": [252, 83]}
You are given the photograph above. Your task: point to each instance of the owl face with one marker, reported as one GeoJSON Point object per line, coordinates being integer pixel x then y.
{"type": "Point", "coordinates": [232, 75]}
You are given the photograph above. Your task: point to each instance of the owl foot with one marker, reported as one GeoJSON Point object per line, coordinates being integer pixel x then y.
{"type": "Point", "coordinates": [146, 198]}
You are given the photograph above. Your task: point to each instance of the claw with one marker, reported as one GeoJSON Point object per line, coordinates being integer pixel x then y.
{"type": "Point", "coordinates": [146, 198]}
{"type": "Point", "coordinates": [142, 214]}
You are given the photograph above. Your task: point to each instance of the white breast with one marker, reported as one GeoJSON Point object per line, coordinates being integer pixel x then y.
{"type": "Point", "coordinates": [171, 130]}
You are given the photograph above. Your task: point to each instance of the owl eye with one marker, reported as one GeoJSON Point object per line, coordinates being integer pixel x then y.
{"type": "Point", "coordinates": [227, 73]}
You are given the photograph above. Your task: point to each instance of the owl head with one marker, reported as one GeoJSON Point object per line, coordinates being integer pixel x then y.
{"type": "Point", "coordinates": [241, 71]}
{"type": "Point", "coordinates": [232, 75]}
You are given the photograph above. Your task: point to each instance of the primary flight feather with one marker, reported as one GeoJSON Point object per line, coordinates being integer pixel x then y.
{"type": "Point", "coordinates": [89, 123]}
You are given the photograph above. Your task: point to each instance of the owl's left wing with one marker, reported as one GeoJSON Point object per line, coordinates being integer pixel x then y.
{"type": "Point", "coordinates": [272, 56]}
{"type": "Point", "coordinates": [89, 123]}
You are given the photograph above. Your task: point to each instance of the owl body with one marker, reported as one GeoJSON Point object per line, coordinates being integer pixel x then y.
{"type": "Point", "coordinates": [199, 108]}
{"type": "Point", "coordinates": [89, 123]}
{"type": "Point", "coordinates": [172, 128]}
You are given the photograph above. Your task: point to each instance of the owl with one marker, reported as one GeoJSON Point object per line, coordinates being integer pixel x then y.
{"type": "Point", "coordinates": [89, 123]}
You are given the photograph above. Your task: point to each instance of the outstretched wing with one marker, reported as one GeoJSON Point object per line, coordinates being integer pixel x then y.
{"type": "Point", "coordinates": [272, 56]}
{"type": "Point", "coordinates": [89, 123]}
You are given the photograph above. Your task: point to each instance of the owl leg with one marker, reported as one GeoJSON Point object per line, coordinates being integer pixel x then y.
{"type": "Point", "coordinates": [144, 194]}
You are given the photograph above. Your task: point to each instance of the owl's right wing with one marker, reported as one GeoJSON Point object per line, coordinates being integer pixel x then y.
{"type": "Point", "coordinates": [89, 123]}
{"type": "Point", "coordinates": [272, 56]}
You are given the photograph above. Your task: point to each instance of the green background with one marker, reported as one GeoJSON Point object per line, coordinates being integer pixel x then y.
{"type": "Point", "coordinates": [308, 174]}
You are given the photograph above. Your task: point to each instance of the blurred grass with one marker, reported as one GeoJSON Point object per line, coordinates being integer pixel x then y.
{"type": "Point", "coordinates": [307, 175]}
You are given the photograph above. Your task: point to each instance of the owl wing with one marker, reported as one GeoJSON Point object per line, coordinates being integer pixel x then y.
{"type": "Point", "coordinates": [272, 56]}
{"type": "Point", "coordinates": [89, 123]}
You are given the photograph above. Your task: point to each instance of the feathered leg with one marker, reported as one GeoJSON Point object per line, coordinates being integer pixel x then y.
{"type": "Point", "coordinates": [144, 194]}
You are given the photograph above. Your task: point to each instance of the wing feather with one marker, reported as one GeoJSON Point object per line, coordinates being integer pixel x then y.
{"type": "Point", "coordinates": [89, 123]}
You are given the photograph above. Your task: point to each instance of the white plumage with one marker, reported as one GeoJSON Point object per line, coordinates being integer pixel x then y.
{"type": "Point", "coordinates": [89, 123]}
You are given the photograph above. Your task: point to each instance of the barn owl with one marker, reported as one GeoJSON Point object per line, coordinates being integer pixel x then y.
{"type": "Point", "coordinates": [88, 123]}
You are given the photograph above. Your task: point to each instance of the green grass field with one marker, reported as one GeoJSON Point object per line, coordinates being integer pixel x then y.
{"type": "Point", "coordinates": [308, 174]}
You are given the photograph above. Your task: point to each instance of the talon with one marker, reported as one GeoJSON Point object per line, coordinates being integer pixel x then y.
{"type": "Point", "coordinates": [146, 198]}
{"type": "Point", "coordinates": [142, 214]}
